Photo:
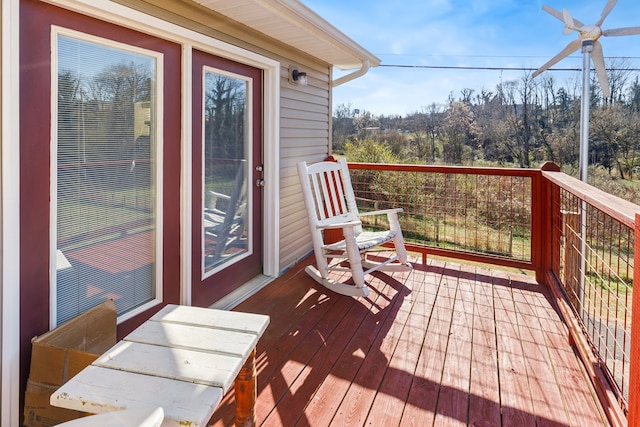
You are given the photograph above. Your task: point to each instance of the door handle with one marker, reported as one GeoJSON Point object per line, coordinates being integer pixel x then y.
{"type": "Point", "coordinates": [260, 181]}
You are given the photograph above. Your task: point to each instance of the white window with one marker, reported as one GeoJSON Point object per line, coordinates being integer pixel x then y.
{"type": "Point", "coordinates": [105, 161]}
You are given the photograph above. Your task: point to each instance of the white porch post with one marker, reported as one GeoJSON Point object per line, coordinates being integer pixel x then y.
{"type": "Point", "coordinates": [10, 215]}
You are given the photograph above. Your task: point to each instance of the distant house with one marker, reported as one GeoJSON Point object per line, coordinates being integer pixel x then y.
{"type": "Point", "coordinates": [148, 155]}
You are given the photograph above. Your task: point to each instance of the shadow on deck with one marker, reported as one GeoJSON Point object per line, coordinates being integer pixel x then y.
{"type": "Point", "coordinates": [444, 344]}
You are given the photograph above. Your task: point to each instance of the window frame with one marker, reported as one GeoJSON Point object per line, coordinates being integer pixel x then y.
{"type": "Point", "coordinates": [157, 127]}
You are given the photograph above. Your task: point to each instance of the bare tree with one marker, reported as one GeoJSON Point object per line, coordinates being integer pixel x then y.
{"type": "Point", "coordinates": [605, 124]}
{"type": "Point", "coordinates": [618, 74]}
{"type": "Point", "coordinates": [425, 127]}
{"type": "Point", "coordinates": [460, 131]}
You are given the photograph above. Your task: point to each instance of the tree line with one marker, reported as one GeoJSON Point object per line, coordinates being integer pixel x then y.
{"type": "Point", "coordinates": [523, 122]}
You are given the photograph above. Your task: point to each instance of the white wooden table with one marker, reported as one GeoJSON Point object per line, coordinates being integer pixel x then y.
{"type": "Point", "coordinates": [183, 359]}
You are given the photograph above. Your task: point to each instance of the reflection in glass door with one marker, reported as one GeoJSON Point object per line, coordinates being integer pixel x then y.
{"type": "Point", "coordinates": [226, 148]}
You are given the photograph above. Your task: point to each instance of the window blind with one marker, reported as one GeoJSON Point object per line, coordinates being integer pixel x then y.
{"type": "Point", "coordinates": [106, 187]}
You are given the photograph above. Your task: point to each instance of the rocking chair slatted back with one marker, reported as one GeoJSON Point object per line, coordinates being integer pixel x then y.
{"type": "Point", "coordinates": [334, 201]}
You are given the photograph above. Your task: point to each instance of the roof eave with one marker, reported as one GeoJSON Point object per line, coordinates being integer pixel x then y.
{"type": "Point", "coordinates": [294, 24]}
{"type": "Point", "coordinates": [326, 31]}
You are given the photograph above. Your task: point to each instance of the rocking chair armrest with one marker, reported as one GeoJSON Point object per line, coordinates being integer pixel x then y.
{"type": "Point", "coordinates": [350, 224]}
{"type": "Point", "coordinates": [381, 212]}
{"type": "Point", "coordinates": [213, 198]}
{"type": "Point", "coordinates": [219, 195]}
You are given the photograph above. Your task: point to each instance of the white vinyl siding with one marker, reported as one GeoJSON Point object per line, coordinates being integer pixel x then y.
{"type": "Point", "coordinates": [304, 135]}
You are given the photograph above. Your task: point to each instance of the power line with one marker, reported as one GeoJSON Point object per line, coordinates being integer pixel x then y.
{"type": "Point", "coordinates": [451, 67]}
{"type": "Point", "coordinates": [496, 56]}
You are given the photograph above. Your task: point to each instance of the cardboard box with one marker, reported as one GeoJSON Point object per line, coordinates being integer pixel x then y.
{"type": "Point", "coordinates": [60, 354]}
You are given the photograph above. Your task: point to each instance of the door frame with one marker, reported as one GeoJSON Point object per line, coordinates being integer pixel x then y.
{"type": "Point", "coordinates": [189, 40]}
{"type": "Point", "coordinates": [10, 214]}
{"type": "Point", "coordinates": [228, 278]}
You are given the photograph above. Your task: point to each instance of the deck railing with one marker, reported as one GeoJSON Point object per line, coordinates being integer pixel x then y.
{"type": "Point", "coordinates": [590, 269]}
{"type": "Point", "coordinates": [476, 214]}
{"type": "Point", "coordinates": [577, 239]}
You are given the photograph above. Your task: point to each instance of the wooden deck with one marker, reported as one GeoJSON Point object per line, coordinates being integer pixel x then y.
{"type": "Point", "coordinates": [444, 345]}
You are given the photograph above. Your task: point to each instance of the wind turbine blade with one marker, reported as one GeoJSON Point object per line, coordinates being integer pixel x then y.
{"type": "Point", "coordinates": [598, 61]}
{"type": "Point", "coordinates": [606, 11]}
{"type": "Point", "coordinates": [568, 50]}
{"type": "Point", "coordinates": [558, 15]}
{"type": "Point", "coordinates": [553, 12]}
{"type": "Point", "coordinates": [568, 19]}
{"type": "Point", "coordinates": [569, 24]}
{"type": "Point", "coordinates": [627, 31]}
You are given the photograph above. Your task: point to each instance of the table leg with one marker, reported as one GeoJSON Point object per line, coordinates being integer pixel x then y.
{"type": "Point", "coordinates": [246, 392]}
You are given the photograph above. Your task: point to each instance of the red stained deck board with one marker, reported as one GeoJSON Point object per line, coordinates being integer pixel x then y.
{"type": "Point", "coordinates": [466, 317]}
{"type": "Point", "coordinates": [302, 389]}
{"type": "Point", "coordinates": [302, 343]}
{"type": "Point", "coordinates": [484, 390]}
{"type": "Point", "coordinates": [329, 395]}
{"type": "Point", "coordinates": [425, 388]}
{"type": "Point", "coordinates": [547, 400]}
{"type": "Point", "coordinates": [515, 395]}
{"type": "Point", "coordinates": [389, 402]}
{"type": "Point", "coordinates": [453, 400]}
{"type": "Point", "coordinates": [296, 307]}
{"type": "Point", "coordinates": [581, 408]}
{"type": "Point", "coordinates": [357, 403]}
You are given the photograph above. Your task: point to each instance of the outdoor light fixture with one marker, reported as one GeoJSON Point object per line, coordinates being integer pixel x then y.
{"type": "Point", "coordinates": [297, 77]}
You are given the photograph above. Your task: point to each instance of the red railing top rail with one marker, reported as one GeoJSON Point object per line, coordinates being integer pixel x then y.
{"type": "Point", "coordinates": [468, 170]}
{"type": "Point", "coordinates": [617, 208]}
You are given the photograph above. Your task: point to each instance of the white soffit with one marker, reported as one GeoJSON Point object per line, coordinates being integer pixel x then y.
{"type": "Point", "coordinates": [294, 24]}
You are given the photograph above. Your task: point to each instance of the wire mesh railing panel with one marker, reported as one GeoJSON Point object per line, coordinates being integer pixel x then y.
{"type": "Point", "coordinates": [594, 263]}
{"type": "Point", "coordinates": [476, 213]}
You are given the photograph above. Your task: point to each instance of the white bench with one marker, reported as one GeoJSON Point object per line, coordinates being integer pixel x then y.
{"type": "Point", "coordinates": [183, 359]}
{"type": "Point", "coordinates": [151, 417]}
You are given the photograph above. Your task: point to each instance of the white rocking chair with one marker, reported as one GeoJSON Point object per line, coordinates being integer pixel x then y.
{"type": "Point", "coordinates": [331, 204]}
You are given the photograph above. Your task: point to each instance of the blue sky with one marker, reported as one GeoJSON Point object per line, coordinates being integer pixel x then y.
{"type": "Point", "coordinates": [475, 33]}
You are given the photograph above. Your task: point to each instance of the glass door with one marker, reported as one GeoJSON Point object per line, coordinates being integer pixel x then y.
{"type": "Point", "coordinates": [227, 153]}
